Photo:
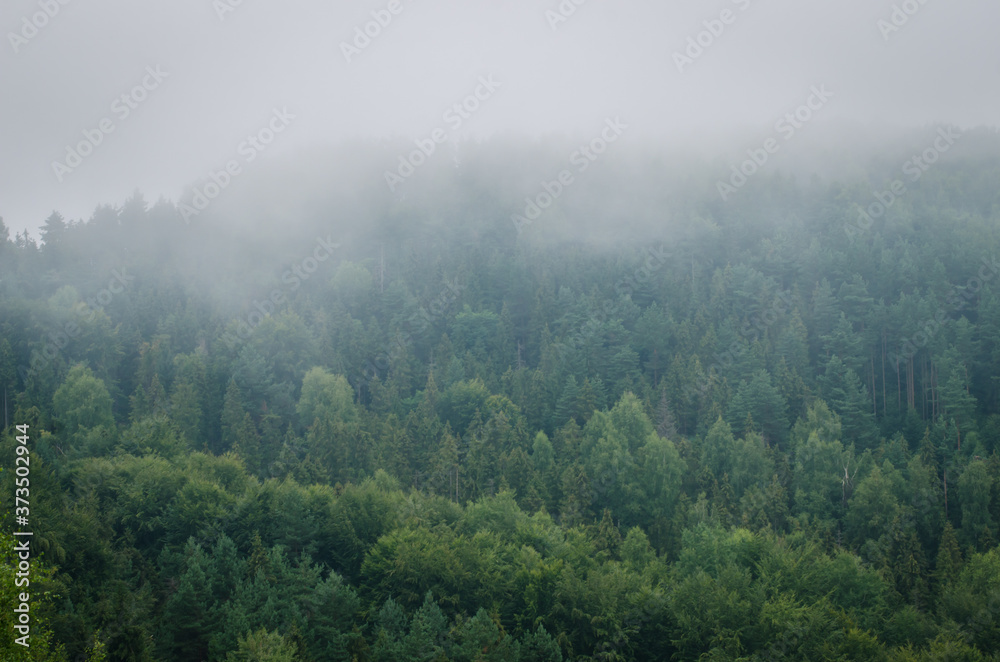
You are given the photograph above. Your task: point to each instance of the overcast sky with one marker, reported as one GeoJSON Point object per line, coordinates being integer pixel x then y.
{"type": "Point", "coordinates": [227, 71]}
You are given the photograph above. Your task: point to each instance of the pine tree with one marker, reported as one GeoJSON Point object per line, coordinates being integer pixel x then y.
{"type": "Point", "coordinates": [8, 379]}
{"type": "Point", "coordinates": [567, 405]}
{"type": "Point", "coordinates": [848, 397]}
{"type": "Point", "coordinates": [959, 404]}
{"type": "Point", "coordinates": [540, 646]}
{"type": "Point", "coordinates": [607, 537]}
{"type": "Point", "coordinates": [948, 563]}
{"type": "Point", "coordinates": [232, 416]}
{"type": "Point", "coordinates": [54, 235]}
{"type": "Point", "coordinates": [186, 620]}
{"type": "Point", "coordinates": [975, 487]}
{"type": "Point", "coordinates": [761, 401]}
{"type": "Point", "coordinates": [574, 507]}
{"type": "Point", "coordinates": [426, 638]}
{"type": "Point", "coordinates": [246, 444]}
{"type": "Point", "coordinates": [909, 568]}
{"type": "Point", "coordinates": [390, 632]}
{"type": "Point", "coordinates": [263, 646]}
{"type": "Point", "coordinates": [824, 316]}
{"type": "Point", "coordinates": [187, 414]}
{"type": "Point", "coordinates": [724, 501]}
{"type": "Point", "coordinates": [793, 344]}
{"type": "Point", "coordinates": [587, 401]}
{"type": "Point", "coordinates": [444, 468]}
{"type": "Point", "coordinates": [665, 425]}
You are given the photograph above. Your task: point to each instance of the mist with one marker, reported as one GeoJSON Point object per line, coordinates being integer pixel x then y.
{"type": "Point", "coordinates": [184, 88]}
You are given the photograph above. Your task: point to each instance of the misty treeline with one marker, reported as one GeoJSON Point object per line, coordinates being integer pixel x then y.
{"type": "Point", "coordinates": [389, 426]}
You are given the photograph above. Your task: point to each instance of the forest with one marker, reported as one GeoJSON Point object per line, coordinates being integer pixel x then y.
{"type": "Point", "coordinates": [653, 424]}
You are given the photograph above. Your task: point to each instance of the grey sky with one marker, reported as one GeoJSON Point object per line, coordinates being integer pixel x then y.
{"type": "Point", "coordinates": [226, 76]}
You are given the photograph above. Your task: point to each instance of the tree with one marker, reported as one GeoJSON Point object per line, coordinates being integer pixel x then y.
{"type": "Point", "coordinates": [567, 404]}
{"type": "Point", "coordinates": [824, 316]}
{"type": "Point", "coordinates": [872, 511]}
{"type": "Point", "coordinates": [4, 236]}
{"type": "Point", "coordinates": [948, 564]}
{"type": "Point", "coordinates": [187, 612]}
{"type": "Point", "coordinates": [460, 402]}
{"type": "Point", "coordinates": [8, 376]}
{"type": "Point", "coordinates": [332, 606]}
{"type": "Point", "coordinates": [54, 235]}
{"type": "Point", "coordinates": [975, 488]}
{"type": "Point", "coordinates": [325, 395]}
{"type": "Point", "coordinates": [971, 601]}
{"type": "Point", "coordinates": [761, 400]}
{"type": "Point", "coordinates": [909, 568]}
{"type": "Point", "coordinates": [445, 467]}
{"type": "Point", "coordinates": [233, 416]}
{"type": "Point", "coordinates": [246, 444]}
{"type": "Point", "coordinates": [151, 401]}
{"type": "Point", "coordinates": [425, 640]}
{"type": "Point", "coordinates": [610, 465]}
{"type": "Point", "coordinates": [480, 640]}
{"type": "Point", "coordinates": [717, 446]}
{"type": "Point", "coordinates": [818, 477]}
{"type": "Point", "coordinates": [607, 537]}
{"type": "Point", "coordinates": [959, 404]}
{"type": "Point", "coordinates": [263, 646]}
{"type": "Point", "coordinates": [793, 344]}
{"type": "Point", "coordinates": [390, 633]}
{"type": "Point", "coordinates": [42, 646]}
{"type": "Point", "coordinates": [82, 404]}
{"type": "Point", "coordinates": [660, 473]}
{"type": "Point", "coordinates": [665, 425]}
{"type": "Point", "coordinates": [850, 399]}
{"type": "Point", "coordinates": [189, 400]}
{"type": "Point", "coordinates": [539, 646]}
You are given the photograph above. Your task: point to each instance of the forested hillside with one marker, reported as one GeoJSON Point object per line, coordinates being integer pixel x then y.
{"type": "Point", "coordinates": [759, 428]}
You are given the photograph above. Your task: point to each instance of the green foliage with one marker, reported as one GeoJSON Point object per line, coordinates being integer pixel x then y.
{"type": "Point", "coordinates": [263, 646]}
{"type": "Point", "coordinates": [745, 450]}
{"type": "Point", "coordinates": [81, 405]}
{"type": "Point", "coordinates": [325, 396]}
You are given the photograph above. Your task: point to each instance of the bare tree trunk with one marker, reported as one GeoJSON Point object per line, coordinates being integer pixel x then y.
{"type": "Point", "coordinates": [874, 403]}
{"type": "Point", "coordinates": [883, 374]}
{"type": "Point", "coordinates": [899, 389]}
{"type": "Point", "coordinates": [923, 387]}
{"type": "Point", "coordinates": [946, 494]}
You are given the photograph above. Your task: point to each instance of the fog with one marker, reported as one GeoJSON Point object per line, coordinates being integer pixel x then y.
{"type": "Point", "coordinates": [201, 78]}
